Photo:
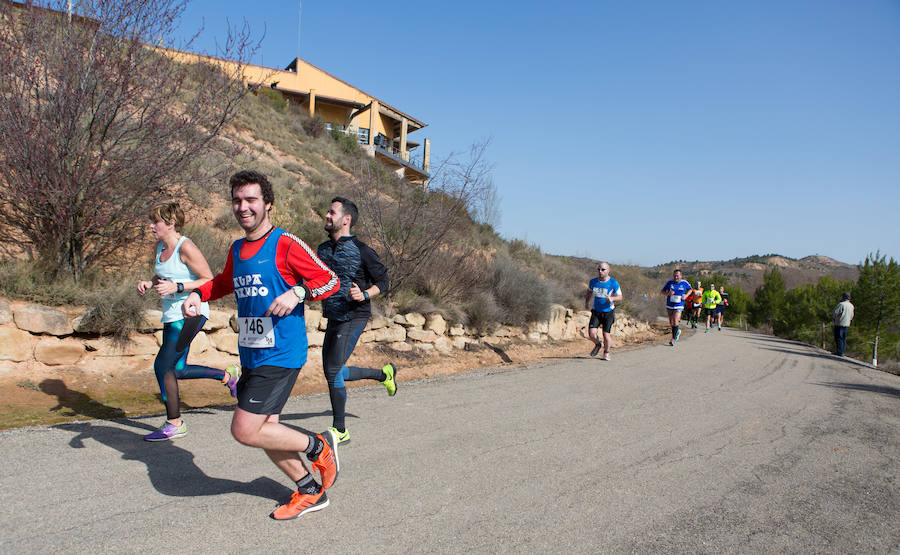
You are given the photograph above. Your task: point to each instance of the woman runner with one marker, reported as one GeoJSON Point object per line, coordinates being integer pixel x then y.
{"type": "Point", "coordinates": [180, 267]}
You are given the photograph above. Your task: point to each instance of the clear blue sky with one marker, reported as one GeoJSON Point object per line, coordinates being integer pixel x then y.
{"type": "Point", "coordinates": [638, 132]}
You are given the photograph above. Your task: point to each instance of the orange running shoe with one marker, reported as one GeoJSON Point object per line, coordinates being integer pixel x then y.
{"type": "Point", "coordinates": [300, 504]}
{"type": "Point", "coordinates": [327, 463]}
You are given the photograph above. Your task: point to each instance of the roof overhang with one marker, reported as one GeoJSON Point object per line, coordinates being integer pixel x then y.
{"type": "Point", "coordinates": [319, 98]}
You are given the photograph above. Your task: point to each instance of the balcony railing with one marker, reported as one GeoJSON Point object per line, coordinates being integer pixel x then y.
{"type": "Point", "coordinates": [362, 134]}
{"type": "Point", "coordinates": [395, 153]}
{"type": "Point", "coordinates": [386, 148]}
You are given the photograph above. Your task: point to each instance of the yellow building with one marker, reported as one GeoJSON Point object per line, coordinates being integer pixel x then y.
{"type": "Point", "coordinates": [382, 130]}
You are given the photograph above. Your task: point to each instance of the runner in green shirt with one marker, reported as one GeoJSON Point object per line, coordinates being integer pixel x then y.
{"type": "Point", "coordinates": [711, 299]}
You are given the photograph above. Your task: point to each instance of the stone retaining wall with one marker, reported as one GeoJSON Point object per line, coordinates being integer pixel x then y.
{"type": "Point", "coordinates": [36, 335]}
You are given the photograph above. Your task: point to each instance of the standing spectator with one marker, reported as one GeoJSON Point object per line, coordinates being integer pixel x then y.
{"type": "Point", "coordinates": [843, 314]}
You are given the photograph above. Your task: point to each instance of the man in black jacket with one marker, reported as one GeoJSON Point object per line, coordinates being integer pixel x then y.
{"type": "Point", "coordinates": [363, 277]}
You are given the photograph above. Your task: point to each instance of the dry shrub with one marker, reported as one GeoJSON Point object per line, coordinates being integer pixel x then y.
{"type": "Point", "coordinates": [314, 127]}
{"type": "Point", "coordinates": [117, 311]}
{"type": "Point", "coordinates": [26, 279]}
{"type": "Point", "coordinates": [452, 274]}
{"type": "Point", "coordinates": [407, 300]}
{"type": "Point", "coordinates": [212, 244]}
{"type": "Point", "coordinates": [483, 311]}
{"type": "Point", "coordinates": [521, 294]}
{"type": "Point", "coordinates": [413, 224]}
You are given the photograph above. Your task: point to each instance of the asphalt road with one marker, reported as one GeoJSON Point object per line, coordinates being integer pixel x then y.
{"type": "Point", "coordinates": [729, 442]}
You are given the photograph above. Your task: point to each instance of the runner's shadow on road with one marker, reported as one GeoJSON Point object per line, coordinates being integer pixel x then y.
{"type": "Point", "coordinates": [827, 356]}
{"type": "Point", "coordinates": [171, 469]}
{"type": "Point", "coordinates": [770, 339]}
{"type": "Point", "coordinates": [304, 415]}
{"type": "Point", "coordinates": [884, 390]}
{"type": "Point", "coordinates": [284, 418]}
{"type": "Point", "coordinates": [73, 403]}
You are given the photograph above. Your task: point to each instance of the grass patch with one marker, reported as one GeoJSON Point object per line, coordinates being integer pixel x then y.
{"type": "Point", "coordinates": [29, 385]}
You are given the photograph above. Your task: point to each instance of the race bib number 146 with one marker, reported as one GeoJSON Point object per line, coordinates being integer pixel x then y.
{"type": "Point", "coordinates": [256, 333]}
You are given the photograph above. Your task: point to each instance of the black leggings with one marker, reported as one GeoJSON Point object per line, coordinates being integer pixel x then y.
{"type": "Point", "coordinates": [340, 340]}
{"type": "Point", "coordinates": [171, 366]}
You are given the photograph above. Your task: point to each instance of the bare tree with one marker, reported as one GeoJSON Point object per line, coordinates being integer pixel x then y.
{"type": "Point", "coordinates": [98, 122]}
{"type": "Point", "coordinates": [412, 224]}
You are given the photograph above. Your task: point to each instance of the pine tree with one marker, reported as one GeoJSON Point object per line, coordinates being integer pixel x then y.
{"type": "Point", "coordinates": [877, 298]}
{"type": "Point", "coordinates": [769, 301]}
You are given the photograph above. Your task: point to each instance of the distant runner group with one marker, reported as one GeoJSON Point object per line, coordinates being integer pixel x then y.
{"type": "Point", "coordinates": [604, 291]}
{"type": "Point", "coordinates": [679, 295]}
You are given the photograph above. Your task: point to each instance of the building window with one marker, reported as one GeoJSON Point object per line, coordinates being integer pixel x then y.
{"type": "Point", "coordinates": [381, 141]}
{"type": "Point", "coordinates": [363, 134]}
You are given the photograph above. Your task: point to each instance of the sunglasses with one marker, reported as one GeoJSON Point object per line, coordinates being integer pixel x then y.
{"type": "Point", "coordinates": [602, 269]}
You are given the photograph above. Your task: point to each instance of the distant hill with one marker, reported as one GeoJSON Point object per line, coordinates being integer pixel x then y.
{"type": "Point", "coordinates": [748, 271]}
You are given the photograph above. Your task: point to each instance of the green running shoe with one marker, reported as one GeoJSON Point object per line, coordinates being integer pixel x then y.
{"type": "Point", "coordinates": [233, 374]}
{"type": "Point", "coordinates": [390, 382]}
{"type": "Point", "coordinates": [343, 438]}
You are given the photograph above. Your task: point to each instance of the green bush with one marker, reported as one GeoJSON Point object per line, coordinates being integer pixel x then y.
{"type": "Point", "coordinates": [348, 142]}
{"type": "Point", "coordinates": [273, 98]}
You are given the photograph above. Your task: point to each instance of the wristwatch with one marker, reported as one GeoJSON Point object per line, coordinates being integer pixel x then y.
{"type": "Point", "coordinates": [299, 291]}
{"type": "Point", "coordinates": [180, 287]}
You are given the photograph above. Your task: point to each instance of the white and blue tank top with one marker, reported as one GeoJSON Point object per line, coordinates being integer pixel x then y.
{"type": "Point", "coordinates": [177, 271]}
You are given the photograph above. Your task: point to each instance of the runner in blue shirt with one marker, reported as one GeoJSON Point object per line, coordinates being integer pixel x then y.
{"type": "Point", "coordinates": [675, 290]}
{"type": "Point", "coordinates": [604, 290]}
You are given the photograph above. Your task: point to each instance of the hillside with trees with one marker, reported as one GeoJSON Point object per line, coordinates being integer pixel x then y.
{"type": "Point", "coordinates": [96, 127]}
{"type": "Point", "coordinates": [747, 272]}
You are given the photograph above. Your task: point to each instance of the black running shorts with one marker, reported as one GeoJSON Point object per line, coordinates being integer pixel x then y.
{"type": "Point", "coordinates": [604, 319]}
{"type": "Point", "coordinates": [265, 390]}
